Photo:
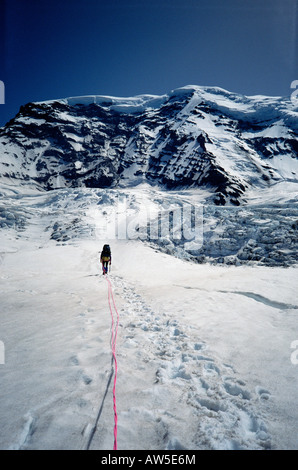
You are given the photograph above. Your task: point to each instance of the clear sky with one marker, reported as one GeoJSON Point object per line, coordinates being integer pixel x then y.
{"type": "Point", "coordinates": [59, 48]}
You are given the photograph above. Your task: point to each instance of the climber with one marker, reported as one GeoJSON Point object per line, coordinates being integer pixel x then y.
{"type": "Point", "coordinates": [105, 258]}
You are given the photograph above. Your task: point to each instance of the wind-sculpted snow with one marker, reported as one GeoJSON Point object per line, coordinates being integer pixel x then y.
{"type": "Point", "coordinates": [191, 137]}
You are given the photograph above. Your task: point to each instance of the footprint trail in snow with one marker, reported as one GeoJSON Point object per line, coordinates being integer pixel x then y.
{"type": "Point", "coordinates": [189, 400]}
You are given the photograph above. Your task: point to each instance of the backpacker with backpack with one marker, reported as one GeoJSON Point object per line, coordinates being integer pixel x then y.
{"type": "Point", "coordinates": [105, 258]}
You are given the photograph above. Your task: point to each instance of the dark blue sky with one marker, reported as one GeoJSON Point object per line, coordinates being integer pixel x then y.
{"type": "Point", "coordinates": [60, 48]}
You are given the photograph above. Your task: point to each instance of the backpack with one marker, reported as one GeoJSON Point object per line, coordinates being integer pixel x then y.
{"type": "Point", "coordinates": [106, 251]}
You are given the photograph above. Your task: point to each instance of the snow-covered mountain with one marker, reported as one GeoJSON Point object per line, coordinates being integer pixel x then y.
{"type": "Point", "coordinates": [206, 351]}
{"type": "Point", "coordinates": [236, 155]}
{"type": "Point", "coordinates": [191, 137]}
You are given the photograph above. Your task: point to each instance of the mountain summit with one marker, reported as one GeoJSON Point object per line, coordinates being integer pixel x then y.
{"type": "Point", "coordinates": [191, 137]}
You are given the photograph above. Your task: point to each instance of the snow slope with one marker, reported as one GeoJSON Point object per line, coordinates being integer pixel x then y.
{"type": "Point", "coordinates": [204, 351]}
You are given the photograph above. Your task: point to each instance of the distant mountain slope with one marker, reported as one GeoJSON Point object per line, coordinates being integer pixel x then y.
{"type": "Point", "coordinates": [192, 137]}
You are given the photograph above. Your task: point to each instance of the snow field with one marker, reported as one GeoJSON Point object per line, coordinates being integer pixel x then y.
{"type": "Point", "coordinates": [203, 351]}
{"type": "Point", "coordinates": [243, 342]}
{"type": "Point", "coordinates": [55, 341]}
{"type": "Point", "coordinates": [189, 387]}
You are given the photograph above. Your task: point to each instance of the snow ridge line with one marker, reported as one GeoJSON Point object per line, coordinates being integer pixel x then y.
{"type": "Point", "coordinates": [113, 346]}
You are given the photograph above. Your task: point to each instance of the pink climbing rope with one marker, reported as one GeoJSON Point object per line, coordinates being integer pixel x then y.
{"type": "Point", "coordinates": [113, 346]}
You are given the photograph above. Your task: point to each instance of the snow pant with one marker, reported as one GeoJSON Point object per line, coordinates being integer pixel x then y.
{"type": "Point", "coordinates": [105, 265]}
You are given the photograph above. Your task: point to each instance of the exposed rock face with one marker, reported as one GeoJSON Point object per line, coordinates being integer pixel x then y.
{"type": "Point", "coordinates": [191, 137]}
